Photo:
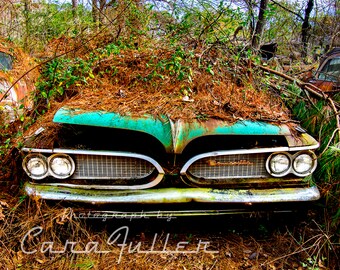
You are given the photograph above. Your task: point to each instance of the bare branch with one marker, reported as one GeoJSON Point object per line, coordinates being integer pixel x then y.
{"type": "Point", "coordinates": [287, 9]}
{"type": "Point", "coordinates": [309, 87]}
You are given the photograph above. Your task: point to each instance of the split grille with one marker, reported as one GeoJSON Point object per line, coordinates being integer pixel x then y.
{"type": "Point", "coordinates": [123, 170]}
{"type": "Point", "coordinates": [219, 167]}
{"type": "Point", "coordinates": [111, 167]}
{"type": "Point", "coordinates": [230, 166]}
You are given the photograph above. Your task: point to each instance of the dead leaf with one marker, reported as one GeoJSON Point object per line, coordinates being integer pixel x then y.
{"type": "Point", "coordinates": [3, 204]}
{"type": "Point", "coordinates": [40, 261]}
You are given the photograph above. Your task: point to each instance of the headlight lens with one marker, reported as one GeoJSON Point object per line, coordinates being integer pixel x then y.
{"type": "Point", "coordinates": [35, 165]}
{"type": "Point", "coordinates": [279, 164]}
{"type": "Point", "coordinates": [61, 166]}
{"type": "Point", "coordinates": [304, 164]}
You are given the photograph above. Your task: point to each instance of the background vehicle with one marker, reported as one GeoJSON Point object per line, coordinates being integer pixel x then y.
{"type": "Point", "coordinates": [14, 98]}
{"type": "Point", "coordinates": [327, 76]}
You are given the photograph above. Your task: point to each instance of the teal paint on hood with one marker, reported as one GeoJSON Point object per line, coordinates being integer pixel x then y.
{"type": "Point", "coordinates": [159, 128]}
{"type": "Point", "coordinates": [174, 135]}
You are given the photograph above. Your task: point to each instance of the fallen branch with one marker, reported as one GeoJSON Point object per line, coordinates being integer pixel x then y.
{"type": "Point", "coordinates": [313, 90]}
{"type": "Point", "coordinates": [307, 86]}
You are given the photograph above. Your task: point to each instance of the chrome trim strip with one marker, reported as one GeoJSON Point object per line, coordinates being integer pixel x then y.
{"type": "Point", "coordinates": [302, 148]}
{"type": "Point", "coordinates": [172, 195]}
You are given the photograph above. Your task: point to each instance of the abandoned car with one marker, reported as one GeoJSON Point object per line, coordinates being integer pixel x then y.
{"type": "Point", "coordinates": [146, 160]}
{"type": "Point", "coordinates": [327, 76]}
{"type": "Point", "coordinates": [140, 136]}
{"type": "Point", "coordinates": [14, 98]}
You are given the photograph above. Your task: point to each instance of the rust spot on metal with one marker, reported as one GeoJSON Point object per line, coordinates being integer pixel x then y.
{"type": "Point", "coordinates": [325, 86]}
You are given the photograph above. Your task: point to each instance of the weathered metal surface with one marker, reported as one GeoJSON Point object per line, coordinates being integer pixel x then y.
{"type": "Point", "coordinates": [302, 142]}
{"type": "Point", "coordinates": [325, 86]}
{"type": "Point", "coordinates": [173, 195]}
{"type": "Point", "coordinates": [12, 96]}
{"type": "Point", "coordinates": [174, 136]}
{"type": "Point", "coordinates": [244, 182]}
{"type": "Point", "coordinates": [185, 132]}
{"type": "Point", "coordinates": [327, 76]}
{"type": "Point", "coordinates": [158, 128]}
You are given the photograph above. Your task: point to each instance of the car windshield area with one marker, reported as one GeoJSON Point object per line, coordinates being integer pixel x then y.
{"type": "Point", "coordinates": [331, 70]}
{"type": "Point", "coordinates": [6, 61]}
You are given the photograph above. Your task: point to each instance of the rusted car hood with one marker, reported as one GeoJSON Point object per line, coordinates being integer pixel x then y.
{"type": "Point", "coordinates": [175, 135]}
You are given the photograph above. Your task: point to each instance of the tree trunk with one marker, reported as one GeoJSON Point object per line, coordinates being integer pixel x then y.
{"type": "Point", "coordinates": [102, 4]}
{"type": "Point", "coordinates": [74, 8]}
{"type": "Point", "coordinates": [250, 6]}
{"type": "Point", "coordinates": [27, 23]}
{"type": "Point", "coordinates": [305, 28]}
{"type": "Point", "coordinates": [255, 43]}
{"type": "Point", "coordinates": [95, 11]}
{"type": "Point", "coordinates": [336, 30]}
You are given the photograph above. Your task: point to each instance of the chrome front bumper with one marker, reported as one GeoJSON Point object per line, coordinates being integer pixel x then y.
{"type": "Point", "coordinates": [174, 195]}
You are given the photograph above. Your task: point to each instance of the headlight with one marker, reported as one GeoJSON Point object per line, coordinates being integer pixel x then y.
{"type": "Point", "coordinates": [278, 164]}
{"type": "Point", "coordinates": [304, 164]}
{"type": "Point", "coordinates": [61, 166]}
{"type": "Point", "coordinates": [35, 165]}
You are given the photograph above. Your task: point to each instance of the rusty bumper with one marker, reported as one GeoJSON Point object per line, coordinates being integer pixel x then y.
{"type": "Point", "coordinates": [174, 195]}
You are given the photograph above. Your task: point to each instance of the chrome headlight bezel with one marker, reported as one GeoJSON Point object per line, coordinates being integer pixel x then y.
{"type": "Point", "coordinates": [67, 160]}
{"type": "Point", "coordinates": [269, 164]}
{"type": "Point", "coordinates": [293, 159]}
{"type": "Point", "coordinates": [313, 163]}
{"type": "Point", "coordinates": [35, 157]}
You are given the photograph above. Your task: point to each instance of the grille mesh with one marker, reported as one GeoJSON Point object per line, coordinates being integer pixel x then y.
{"type": "Point", "coordinates": [111, 167]}
{"type": "Point", "coordinates": [230, 166]}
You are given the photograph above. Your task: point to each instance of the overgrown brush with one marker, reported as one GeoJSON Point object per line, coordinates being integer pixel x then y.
{"type": "Point", "coordinates": [319, 119]}
{"type": "Point", "coordinates": [204, 39]}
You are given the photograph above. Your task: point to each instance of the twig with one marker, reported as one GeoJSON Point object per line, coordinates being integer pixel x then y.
{"type": "Point", "coordinates": [213, 264]}
{"type": "Point", "coordinates": [337, 117]}
{"type": "Point", "coordinates": [287, 9]}
{"type": "Point", "coordinates": [330, 140]}
{"type": "Point", "coordinates": [215, 98]}
{"type": "Point", "coordinates": [310, 100]}
{"type": "Point", "coordinates": [303, 71]}
{"type": "Point", "coordinates": [281, 121]}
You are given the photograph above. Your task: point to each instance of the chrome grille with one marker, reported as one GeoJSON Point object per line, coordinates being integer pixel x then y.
{"type": "Point", "coordinates": [230, 166]}
{"type": "Point", "coordinates": [111, 167]}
